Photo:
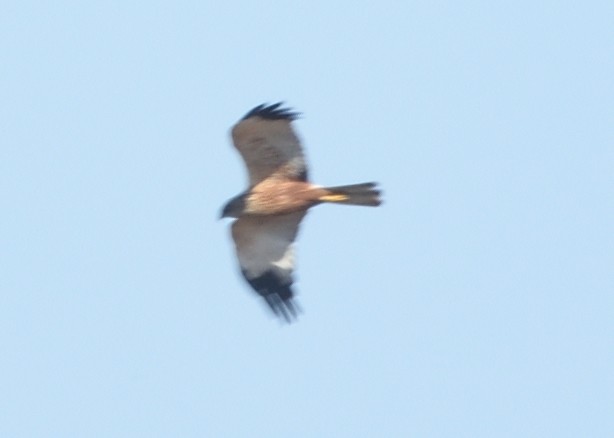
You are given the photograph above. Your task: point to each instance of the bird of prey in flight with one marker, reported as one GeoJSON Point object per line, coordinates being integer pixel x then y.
{"type": "Point", "coordinates": [269, 212]}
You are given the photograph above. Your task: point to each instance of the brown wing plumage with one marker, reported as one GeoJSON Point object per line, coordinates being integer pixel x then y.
{"type": "Point", "coordinates": [269, 146]}
{"type": "Point", "coordinates": [266, 255]}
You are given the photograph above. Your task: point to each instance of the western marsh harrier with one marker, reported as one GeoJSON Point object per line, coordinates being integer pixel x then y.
{"type": "Point", "coordinates": [269, 212]}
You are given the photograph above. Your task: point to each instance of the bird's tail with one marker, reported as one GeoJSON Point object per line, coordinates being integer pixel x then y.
{"type": "Point", "coordinates": [355, 194]}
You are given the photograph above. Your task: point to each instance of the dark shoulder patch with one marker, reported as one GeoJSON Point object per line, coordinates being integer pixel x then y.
{"type": "Point", "coordinates": [272, 112]}
{"type": "Point", "coordinates": [277, 294]}
{"type": "Point", "coordinates": [303, 176]}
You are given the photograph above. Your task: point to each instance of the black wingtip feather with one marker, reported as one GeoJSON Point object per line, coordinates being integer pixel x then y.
{"type": "Point", "coordinates": [277, 294]}
{"type": "Point", "coordinates": [272, 112]}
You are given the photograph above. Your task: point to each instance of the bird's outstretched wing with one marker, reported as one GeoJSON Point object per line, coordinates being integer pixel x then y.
{"type": "Point", "coordinates": [265, 251]}
{"type": "Point", "coordinates": [269, 146]}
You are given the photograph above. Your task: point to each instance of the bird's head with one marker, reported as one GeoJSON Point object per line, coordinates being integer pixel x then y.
{"type": "Point", "coordinates": [234, 208]}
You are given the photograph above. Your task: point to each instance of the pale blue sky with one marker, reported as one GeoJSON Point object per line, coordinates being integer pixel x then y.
{"type": "Point", "coordinates": [476, 302]}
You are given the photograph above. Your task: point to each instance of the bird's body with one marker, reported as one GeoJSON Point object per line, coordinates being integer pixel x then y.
{"type": "Point", "coordinates": [279, 195]}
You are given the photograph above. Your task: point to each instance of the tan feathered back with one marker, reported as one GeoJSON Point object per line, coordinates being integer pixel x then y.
{"type": "Point", "coordinates": [269, 146]}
